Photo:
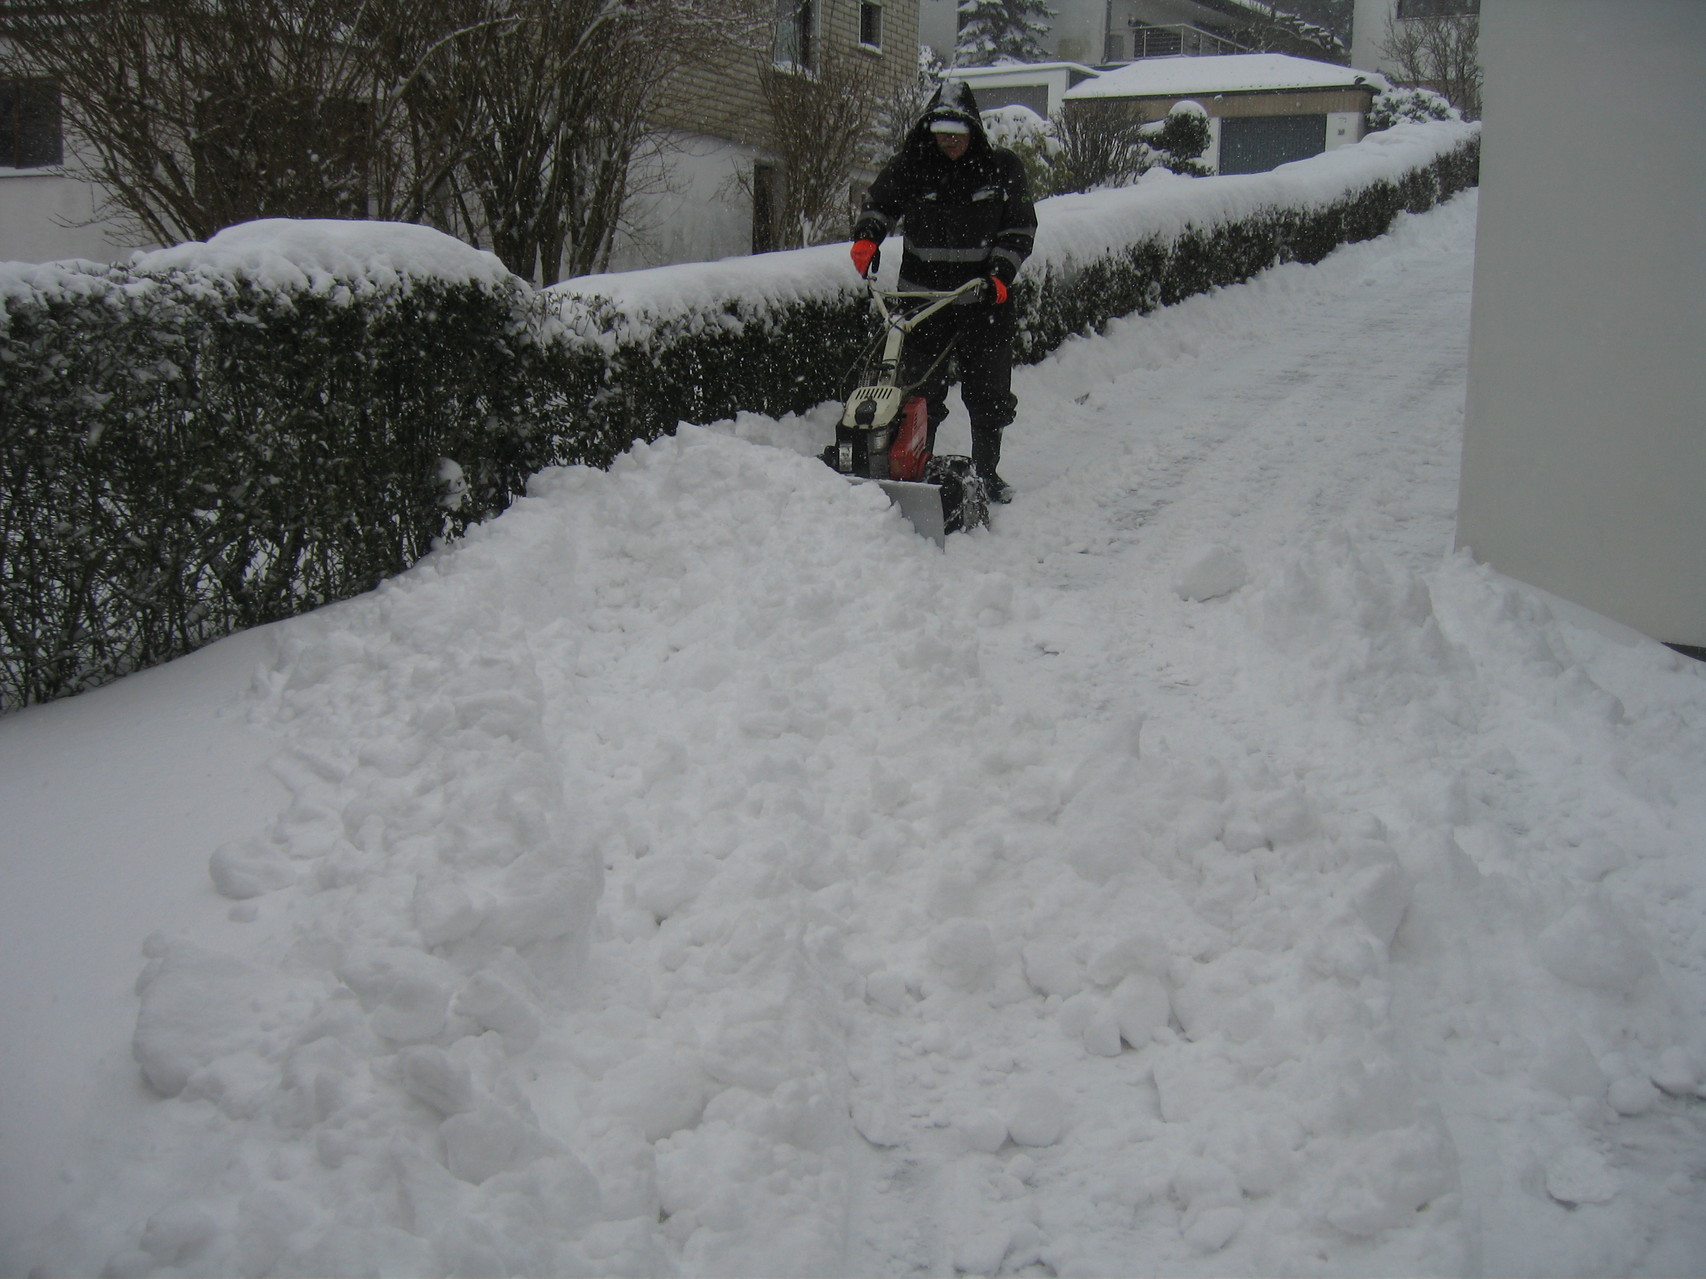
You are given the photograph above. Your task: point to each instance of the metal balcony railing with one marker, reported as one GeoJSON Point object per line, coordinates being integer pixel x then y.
{"type": "Point", "coordinates": [1166, 41]}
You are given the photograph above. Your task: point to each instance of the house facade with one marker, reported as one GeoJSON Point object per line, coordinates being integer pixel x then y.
{"type": "Point", "coordinates": [1373, 21]}
{"type": "Point", "coordinates": [1037, 86]}
{"type": "Point", "coordinates": [45, 214]}
{"type": "Point", "coordinates": [1110, 32]}
{"type": "Point", "coordinates": [716, 183]}
{"type": "Point", "coordinates": [709, 184]}
{"type": "Point", "coordinates": [1264, 109]}
{"type": "Point", "coordinates": [1114, 31]}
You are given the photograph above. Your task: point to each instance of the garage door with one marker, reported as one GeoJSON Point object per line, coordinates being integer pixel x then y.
{"type": "Point", "coordinates": [1257, 143]}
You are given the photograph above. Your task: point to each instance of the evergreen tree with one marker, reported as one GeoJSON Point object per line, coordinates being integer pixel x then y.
{"type": "Point", "coordinates": [994, 31]}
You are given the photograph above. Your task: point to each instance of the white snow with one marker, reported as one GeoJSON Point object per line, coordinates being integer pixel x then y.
{"type": "Point", "coordinates": [320, 254]}
{"type": "Point", "coordinates": [1222, 73]}
{"type": "Point", "coordinates": [1205, 871]}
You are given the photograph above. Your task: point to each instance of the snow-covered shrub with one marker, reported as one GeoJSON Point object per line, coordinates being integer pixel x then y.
{"type": "Point", "coordinates": [1029, 136]}
{"type": "Point", "coordinates": [1181, 139]}
{"type": "Point", "coordinates": [1391, 106]}
{"type": "Point", "coordinates": [744, 355]}
{"type": "Point", "coordinates": [188, 452]}
{"type": "Point", "coordinates": [1099, 145]}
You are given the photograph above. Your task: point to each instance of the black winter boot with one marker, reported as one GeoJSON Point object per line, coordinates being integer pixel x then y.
{"type": "Point", "coordinates": [985, 457]}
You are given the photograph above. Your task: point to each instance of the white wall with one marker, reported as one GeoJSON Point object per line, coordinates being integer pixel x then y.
{"type": "Point", "coordinates": [690, 206]}
{"type": "Point", "coordinates": [1368, 30]}
{"type": "Point", "coordinates": [1077, 32]}
{"type": "Point", "coordinates": [44, 218]}
{"type": "Point", "coordinates": [939, 26]}
{"type": "Point", "coordinates": [1584, 460]}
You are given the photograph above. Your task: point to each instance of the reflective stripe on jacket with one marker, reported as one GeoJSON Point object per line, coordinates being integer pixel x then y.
{"type": "Point", "coordinates": [961, 218]}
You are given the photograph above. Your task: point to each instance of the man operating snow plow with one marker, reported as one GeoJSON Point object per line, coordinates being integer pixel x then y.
{"type": "Point", "coordinates": [964, 209]}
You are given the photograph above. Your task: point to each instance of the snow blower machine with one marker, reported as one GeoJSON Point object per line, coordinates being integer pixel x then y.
{"type": "Point", "coordinates": [884, 433]}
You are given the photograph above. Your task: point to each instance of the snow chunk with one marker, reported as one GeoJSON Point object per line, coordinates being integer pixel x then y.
{"type": "Point", "coordinates": [963, 951]}
{"type": "Point", "coordinates": [1213, 1199]}
{"type": "Point", "coordinates": [1210, 573]}
{"type": "Point", "coordinates": [1579, 1175]}
{"type": "Point", "coordinates": [665, 882]}
{"type": "Point", "coordinates": [1141, 1006]}
{"type": "Point", "coordinates": [659, 1093]}
{"type": "Point", "coordinates": [1631, 1096]}
{"type": "Point", "coordinates": [1214, 1229]}
{"type": "Point", "coordinates": [491, 1140]}
{"type": "Point", "coordinates": [199, 1006]}
{"type": "Point", "coordinates": [983, 1130]}
{"type": "Point", "coordinates": [1593, 946]}
{"type": "Point", "coordinates": [1395, 1174]}
{"type": "Point", "coordinates": [406, 993]}
{"type": "Point", "coordinates": [1036, 1115]}
{"type": "Point", "coordinates": [178, 1232]}
{"type": "Point", "coordinates": [1677, 1072]}
{"type": "Point", "coordinates": [248, 868]}
{"type": "Point", "coordinates": [1052, 969]}
{"type": "Point", "coordinates": [1566, 1066]}
{"type": "Point", "coordinates": [1088, 1018]}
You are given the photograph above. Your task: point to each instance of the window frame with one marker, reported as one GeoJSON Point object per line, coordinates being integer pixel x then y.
{"type": "Point", "coordinates": [18, 114]}
{"type": "Point", "coordinates": [871, 10]}
{"type": "Point", "coordinates": [798, 35]}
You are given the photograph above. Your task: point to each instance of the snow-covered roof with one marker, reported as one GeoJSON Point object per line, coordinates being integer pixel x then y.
{"type": "Point", "coordinates": [1225, 73]}
{"type": "Point", "coordinates": [1021, 70]}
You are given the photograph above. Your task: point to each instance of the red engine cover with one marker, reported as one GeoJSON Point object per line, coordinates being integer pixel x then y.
{"type": "Point", "coordinates": [911, 447]}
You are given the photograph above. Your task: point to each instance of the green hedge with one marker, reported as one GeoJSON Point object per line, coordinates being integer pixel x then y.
{"type": "Point", "coordinates": [1167, 266]}
{"type": "Point", "coordinates": [184, 454]}
{"type": "Point", "coordinates": [181, 459]}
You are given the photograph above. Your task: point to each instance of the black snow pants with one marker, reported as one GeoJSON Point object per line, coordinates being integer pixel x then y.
{"type": "Point", "coordinates": [982, 360]}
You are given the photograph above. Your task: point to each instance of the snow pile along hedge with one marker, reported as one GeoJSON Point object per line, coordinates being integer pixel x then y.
{"type": "Point", "coordinates": [218, 435]}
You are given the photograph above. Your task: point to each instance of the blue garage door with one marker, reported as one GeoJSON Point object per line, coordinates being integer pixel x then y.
{"type": "Point", "coordinates": [1257, 143]}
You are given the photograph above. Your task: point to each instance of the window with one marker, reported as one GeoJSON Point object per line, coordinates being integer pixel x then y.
{"type": "Point", "coordinates": [871, 24]}
{"type": "Point", "coordinates": [764, 192]}
{"type": "Point", "coordinates": [30, 136]}
{"type": "Point", "coordinates": [796, 34]}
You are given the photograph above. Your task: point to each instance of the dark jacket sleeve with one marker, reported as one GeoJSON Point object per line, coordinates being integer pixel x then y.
{"type": "Point", "coordinates": [1013, 242]}
{"type": "Point", "coordinates": [885, 202]}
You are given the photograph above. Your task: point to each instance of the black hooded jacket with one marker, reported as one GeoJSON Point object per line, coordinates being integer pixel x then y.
{"type": "Point", "coordinates": [962, 219]}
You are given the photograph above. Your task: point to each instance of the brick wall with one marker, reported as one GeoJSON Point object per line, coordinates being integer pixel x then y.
{"type": "Point", "coordinates": [722, 98]}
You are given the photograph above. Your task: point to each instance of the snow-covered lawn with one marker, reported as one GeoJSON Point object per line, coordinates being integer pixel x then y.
{"type": "Point", "coordinates": [1205, 871]}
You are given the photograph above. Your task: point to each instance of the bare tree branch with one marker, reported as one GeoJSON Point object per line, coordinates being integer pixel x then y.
{"type": "Point", "coordinates": [1439, 53]}
{"type": "Point", "coordinates": [823, 129]}
{"type": "Point", "coordinates": [510, 122]}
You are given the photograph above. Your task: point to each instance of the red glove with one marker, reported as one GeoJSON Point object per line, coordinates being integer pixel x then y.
{"type": "Point", "coordinates": [864, 256]}
{"type": "Point", "coordinates": [997, 290]}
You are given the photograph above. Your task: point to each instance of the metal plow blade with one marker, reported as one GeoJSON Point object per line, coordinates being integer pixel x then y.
{"type": "Point", "coordinates": [921, 504]}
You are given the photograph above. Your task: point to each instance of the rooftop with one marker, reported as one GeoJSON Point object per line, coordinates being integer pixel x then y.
{"type": "Point", "coordinates": [1225, 73]}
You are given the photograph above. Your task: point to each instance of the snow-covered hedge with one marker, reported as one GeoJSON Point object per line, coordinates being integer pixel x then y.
{"type": "Point", "coordinates": [775, 332]}
{"type": "Point", "coordinates": [222, 434]}
{"type": "Point", "coordinates": [1114, 253]}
